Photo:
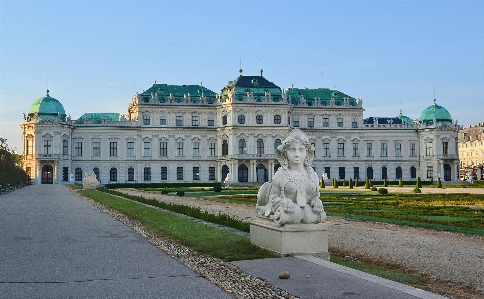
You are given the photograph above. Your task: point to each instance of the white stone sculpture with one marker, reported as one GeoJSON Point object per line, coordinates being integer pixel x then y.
{"type": "Point", "coordinates": [293, 194]}
{"type": "Point", "coordinates": [90, 181]}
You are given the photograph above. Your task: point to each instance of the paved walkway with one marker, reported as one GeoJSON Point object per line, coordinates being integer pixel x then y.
{"type": "Point", "coordinates": [53, 244]}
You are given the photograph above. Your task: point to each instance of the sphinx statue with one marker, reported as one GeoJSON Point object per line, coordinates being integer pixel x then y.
{"type": "Point", "coordinates": [293, 194]}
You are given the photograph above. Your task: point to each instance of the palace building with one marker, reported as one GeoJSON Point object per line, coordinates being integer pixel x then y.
{"type": "Point", "coordinates": [188, 133]}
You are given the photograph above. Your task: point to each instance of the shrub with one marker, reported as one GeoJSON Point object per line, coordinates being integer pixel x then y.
{"type": "Point", "coordinates": [356, 182]}
{"type": "Point", "coordinates": [419, 183]}
{"type": "Point", "coordinates": [335, 183]}
{"type": "Point", "coordinates": [373, 189]}
{"type": "Point", "coordinates": [367, 183]}
{"type": "Point", "coordinates": [344, 182]}
{"type": "Point", "coordinates": [382, 191]}
{"type": "Point", "coordinates": [400, 182]}
{"type": "Point", "coordinates": [217, 189]}
{"type": "Point", "coordinates": [385, 184]}
{"type": "Point", "coordinates": [322, 183]}
{"type": "Point", "coordinates": [350, 184]}
{"type": "Point", "coordinates": [180, 193]}
{"type": "Point", "coordinates": [371, 183]}
{"type": "Point", "coordinates": [439, 183]}
{"type": "Point", "coordinates": [165, 191]}
{"type": "Point", "coordinates": [417, 190]}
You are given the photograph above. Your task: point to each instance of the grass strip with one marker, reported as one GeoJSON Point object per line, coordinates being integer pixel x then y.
{"type": "Point", "coordinates": [220, 218]}
{"type": "Point", "coordinates": [201, 237]}
{"type": "Point", "coordinates": [389, 274]}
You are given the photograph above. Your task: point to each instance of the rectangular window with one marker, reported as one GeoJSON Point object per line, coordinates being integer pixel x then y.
{"type": "Point", "coordinates": [179, 149]}
{"type": "Point", "coordinates": [47, 147]}
{"type": "Point", "coordinates": [211, 150]}
{"type": "Point", "coordinates": [341, 173]}
{"type": "Point", "coordinates": [65, 147]}
{"type": "Point", "coordinates": [327, 170]}
{"type": "Point", "coordinates": [430, 172]}
{"type": "Point", "coordinates": [354, 124]}
{"type": "Point", "coordinates": [195, 120]}
{"type": "Point", "coordinates": [211, 122]}
{"type": "Point", "coordinates": [311, 122]}
{"type": "Point", "coordinates": [369, 149]}
{"type": "Point", "coordinates": [113, 149]}
{"type": "Point", "coordinates": [146, 149]}
{"type": "Point", "coordinates": [326, 149]}
{"type": "Point", "coordinates": [162, 120]}
{"type": "Point", "coordinates": [384, 150]}
{"type": "Point", "coordinates": [356, 172]}
{"type": "Point", "coordinates": [196, 173]}
{"type": "Point", "coordinates": [78, 149]}
{"type": "Point", "coordinates": [164, 173]}
{"type": "Point", "coordinates": [163, 149]}
{"type": "Point", "coordinates": [429, 149]}
{"type": "Point", "coordinates": [340, 122]}
{"type": "Point", "coordinates": [96, 149]}
{"type": "Point", "coordinates": [179, 121]}
{"type": "Point", "coordinates": [398, 149]}
{"type": "Point", "coordinates": [179, 173]}
{"type": "Point", "coordinates": [356, 153]}
{"type": "Point", "coordinates": [196, 149]}
{"type": "Point", "coordinates": [325, 122]}
{"type": "Point", "coordinates": [130, 151]}
{"type": "Point", "coordinates": [445, 148]}
{"type": "Point", "coordinates": [412, 150]}
{"type": "Point", "coordinates": [146, 119]}
{"type": "Point", "coordinates": [341, 149]}
{"type": "Point", "coordinates": [211, 173]}
{"type": "Point", "coordinates": [296, 122]}
{"type": "Point", "coordinates": [30, 147]}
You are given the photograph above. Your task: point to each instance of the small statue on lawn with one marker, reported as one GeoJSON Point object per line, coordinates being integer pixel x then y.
{"type": "Point", "coordinates": [293, 194]}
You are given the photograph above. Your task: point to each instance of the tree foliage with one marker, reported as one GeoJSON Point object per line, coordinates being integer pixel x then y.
{"type": "Point", "coordinates": [11, 171]}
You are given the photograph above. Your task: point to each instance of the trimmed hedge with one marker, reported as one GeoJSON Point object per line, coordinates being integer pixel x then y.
{"type": "Point", "coordinates": [162, 185]}
{"type": "Point", "coordinates": [478, 183]}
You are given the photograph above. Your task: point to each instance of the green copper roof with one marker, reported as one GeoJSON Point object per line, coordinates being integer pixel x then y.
{"type": "Point", "coordinates": [99, 117]}
{"type": "Point", "coordinates": [404, 118]}
{"type": "Point", "coordinates": [257, 85]}
{"type": "Point", "coordinates": [47, 107]}
{"type": "Point", "coordinates": [437, 113]}
{"type": "Point", "coordinates": [163, 91]}
{"type": "Point", "coordinates": [324, 94]}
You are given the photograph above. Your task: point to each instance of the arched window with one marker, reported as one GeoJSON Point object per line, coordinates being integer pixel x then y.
{"type": "Point", "coordinates": [413, 172]}
{"type": "Point", "coordinates": [277, 142]}
{"type": "Point", "coordinates": [225, 148]}
{"type": "Point", "coordinates": [130, 174]}
{"type": "Point", "coordinates": [369, 172]}
{"type": "Point", "coordinates": [147, 174]}
{"type": "Point", "coordinates": [225, 171]}
{"type": "Point", "coordinates": [243, 173]}
{"type": "Point", "coordinates": [261, 173]}
{"type": "Point", "coordinates": [398, 172]}
{"type": "Point", "coordinates": [241, 119]}
{"type": "Point", "coordinates": [224, 120]}
{"type": "Point", "coordinates": [384, 172]}
{"type": "Point", "coordinates": [259, 119]}
{"type": "Point", "coordinates": [113, 174]}
{"type": "Point", "coordinates": [277, 119]}
{"type": "Point", "coordinates": [260, 146]}
{"type": "Point", "coordinates": [96, 172]}
{"type": "Point", "coordinates": [242, 147]}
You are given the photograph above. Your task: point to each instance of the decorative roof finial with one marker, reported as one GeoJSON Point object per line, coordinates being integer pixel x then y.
{"type": "Point", "coordinates": [47, 92]}
{"type": "Point", "coordinates": [435, 100]}
{"type": "Point", "coordinates": [261, 71]}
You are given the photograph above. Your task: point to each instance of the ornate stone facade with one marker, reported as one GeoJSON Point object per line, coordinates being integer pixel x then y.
{"type": "Point", "coordinates": [185, 133]}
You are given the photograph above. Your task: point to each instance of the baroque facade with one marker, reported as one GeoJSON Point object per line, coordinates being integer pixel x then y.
{"type": "Point", "coordinates": [188, 133]}
{"type": "Point", "coordinates": [471, 151]}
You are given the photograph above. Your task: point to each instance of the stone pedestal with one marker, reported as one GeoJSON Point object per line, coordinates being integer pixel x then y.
{"type": "Point", "coordinates": [296, 239]}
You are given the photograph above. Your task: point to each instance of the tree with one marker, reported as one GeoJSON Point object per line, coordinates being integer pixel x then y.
{"type": "Point", "coordinates": [11, 171]}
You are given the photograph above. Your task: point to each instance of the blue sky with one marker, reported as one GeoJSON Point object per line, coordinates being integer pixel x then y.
{"type": "Point", "coordinates": [95, 55]}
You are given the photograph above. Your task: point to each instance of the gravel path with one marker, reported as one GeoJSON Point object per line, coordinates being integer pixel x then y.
{"type": "Point", "coordinates": [453, 261]}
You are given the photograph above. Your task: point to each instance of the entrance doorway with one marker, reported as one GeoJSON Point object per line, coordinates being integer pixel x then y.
{"type": "Point", "coordinates": [225, 171]}
{"type": "Point", "coordinates": [447, 173]}
{"type": "Point", "coordinates": [47, 174]}
{"type": "Point", "coordinates": [243, 173]}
